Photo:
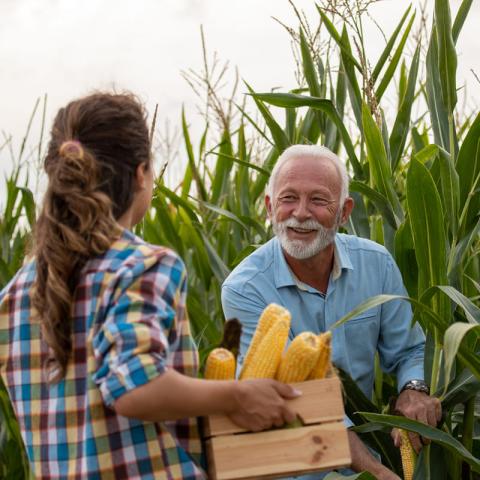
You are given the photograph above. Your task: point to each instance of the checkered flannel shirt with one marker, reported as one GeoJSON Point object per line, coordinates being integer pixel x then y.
{"type": "Point", "coordinates": [129, 326]}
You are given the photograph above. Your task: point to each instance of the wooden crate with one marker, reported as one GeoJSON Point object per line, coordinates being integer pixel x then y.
{"type": "Point", "coordinates": [321, 444]}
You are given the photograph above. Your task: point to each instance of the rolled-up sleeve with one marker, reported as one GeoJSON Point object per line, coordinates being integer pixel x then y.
{"type": "Point", "coordinates": [132, 344]}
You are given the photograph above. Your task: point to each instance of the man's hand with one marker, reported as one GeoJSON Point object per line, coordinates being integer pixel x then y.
{"type": "Point", "coordinates": [417, 406]}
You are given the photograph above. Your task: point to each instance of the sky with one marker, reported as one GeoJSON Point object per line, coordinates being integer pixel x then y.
{"type": "Point", "coordinates": [67, 48]}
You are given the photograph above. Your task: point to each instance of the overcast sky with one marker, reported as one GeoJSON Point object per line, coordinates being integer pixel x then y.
{"type": "Point", "coordinates": [65, 48]}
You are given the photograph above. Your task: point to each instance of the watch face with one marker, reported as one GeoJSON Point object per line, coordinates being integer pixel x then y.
{"type": "Point", "coordinates": [418, 385]}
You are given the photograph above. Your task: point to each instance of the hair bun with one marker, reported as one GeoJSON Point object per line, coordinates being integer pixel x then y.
{"type": "Point", "coordinates": [76, 169]}
{"type": "Point", "coordinates": [72, 149]}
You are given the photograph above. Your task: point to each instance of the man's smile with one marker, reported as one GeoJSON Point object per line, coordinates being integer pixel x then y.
{"type": "Point", "coordinates": [302, 230]}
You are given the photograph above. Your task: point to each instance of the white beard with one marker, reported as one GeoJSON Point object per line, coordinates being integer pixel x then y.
{"type": "Point", "coordinates": [301, 249]}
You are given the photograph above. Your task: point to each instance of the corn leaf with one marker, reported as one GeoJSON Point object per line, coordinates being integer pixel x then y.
{"type": "Point", "coordinates": [472, 312]}
{"type": "Point", "coordinates": [332, 137]}
{"type": "Point", "coordinates": [28, 204]}
{"type": "Point", "coordinates": [427, 223]}
{"type": "Point", "coordinates": [340, 40]}
{"type": "Point", "coordinates": [438, 110]}
{"type": "Point", "coordinates": [224, 213]}
{"type": "Point", "coordinates": [447, 56]}
{"type": "Point", "coordinates": [405, 257]}
{"type": "Point", "coordinates": [242, 177]}
{"type": "Point", "coordinates": [450, 189]}
{"type": "Point", "coordinates": [278, 135]}
{"type": "Point", "coordinates": [460, 250]}
{"type": "Point", "coordinates": [392, 66]}
{"type": "Point", "coordinates": [220, 270]}
{"type": "Point", "coordinates": [309, 68]}
{"type": "Point", "coordinates": [468, 168]}
{"type": "Point", "coordinates": [401, 126]}
{"type": "Point", "coordinates": [348, 68]}
{"type": "Point", "coordinates": [378, 421]}
{"type": "Point", "coordinates": [379, 165]}
{"type": "Point", "coordinates": [461, 389]}
{"type": "Point", "coordinates": [258, 169]}
{"type": "Point", "coordinates": [451, 343]}
{"type": "Point", "coordinates": [221, 183]}
{"type": "Point", "coordinates": [460, 18]}
{"type": "Point", "coordinates": [290, 124]}
{"type": "Point", "coordinates": [191, 162]}
{"type": "Point", "coordinates": [179, 202]}
{"type": "Point", "coordinates": [367, 305]}
{"type": "Point", "coordinates": [310, 128]}
{"type": "Point", "coordinates": [379, 200]}
{"type": "Point", "coordinates": [261, 180]}
{"type": "Point", "coordinates": [388, 48]}
{"type": "Point", "coordinates": [290, 100]}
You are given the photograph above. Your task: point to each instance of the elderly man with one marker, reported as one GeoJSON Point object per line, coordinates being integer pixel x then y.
{"type": "Point", "coordinates": [320, 275]}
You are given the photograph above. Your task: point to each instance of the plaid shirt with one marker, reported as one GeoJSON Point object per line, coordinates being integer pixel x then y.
{"type": "Point", "coordinates": [129, 326]}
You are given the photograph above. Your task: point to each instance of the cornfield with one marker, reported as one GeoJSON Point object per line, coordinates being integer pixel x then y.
{"type": "Point", "coordinates": [416, 186]}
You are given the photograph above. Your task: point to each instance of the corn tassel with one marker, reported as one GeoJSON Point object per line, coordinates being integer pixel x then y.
{"type": "Point", "coordinates": [300, 358]}
{"type": "Point", "coordinates": [323, 365]}
{"type": "Point", "coordinates": [408, 455]}
{"type": "Point", "coordinates": [220, 365]}
{"type": "Point", "coordinates": [265, 362]}
{"type": "Point", "coordinates": [270, 315]}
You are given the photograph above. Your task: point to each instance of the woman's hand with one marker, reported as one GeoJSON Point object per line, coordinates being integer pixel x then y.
{"type": "Point", "coordinates": [261, 404]}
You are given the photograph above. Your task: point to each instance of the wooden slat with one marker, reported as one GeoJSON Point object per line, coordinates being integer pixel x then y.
{"type": "Point", "coordinates": [321, 401]}
{"type": "Point", "coordinates": [279, 453]}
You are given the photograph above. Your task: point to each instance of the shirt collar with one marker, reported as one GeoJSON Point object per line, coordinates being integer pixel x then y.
{"type": "Point", "coordinates": [284, 277]}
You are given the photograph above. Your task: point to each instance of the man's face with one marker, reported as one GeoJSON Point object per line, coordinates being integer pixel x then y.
{"type": "Point", "coordinates": [305, 210]}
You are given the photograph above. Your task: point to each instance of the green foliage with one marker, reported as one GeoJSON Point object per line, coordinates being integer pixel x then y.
{"type": "Point", "coordinates": [416, 185]}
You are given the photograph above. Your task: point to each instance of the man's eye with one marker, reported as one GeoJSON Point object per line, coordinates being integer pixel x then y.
{"type": "Point", "coordinates": [320, 201]}
{"type": "Point", "coordinates": [288, 198]}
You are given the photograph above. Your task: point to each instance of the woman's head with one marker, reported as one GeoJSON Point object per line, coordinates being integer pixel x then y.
{"type": "Point", "coordinates": [112, 132]}
{"type": "Point", "coordinates": [98, 168]}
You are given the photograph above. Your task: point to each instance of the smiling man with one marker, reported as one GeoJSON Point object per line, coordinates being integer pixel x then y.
{"type": "Point", "coordinates": [320, 275]}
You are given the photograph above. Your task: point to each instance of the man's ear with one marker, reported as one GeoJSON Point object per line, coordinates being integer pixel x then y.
{"type": "Point", "coordinates": [140, 177]}
{"type": "Point", "coordinates": [268, 206]}
{"type": "Point", "coordinates": [347, 210]}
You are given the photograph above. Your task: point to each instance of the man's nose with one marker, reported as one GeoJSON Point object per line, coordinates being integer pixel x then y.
{"type": "Point", "coordinates": [301, 211]}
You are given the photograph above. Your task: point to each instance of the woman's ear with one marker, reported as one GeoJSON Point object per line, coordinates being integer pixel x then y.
{"type": "Point", "coordinates": [140, 177]}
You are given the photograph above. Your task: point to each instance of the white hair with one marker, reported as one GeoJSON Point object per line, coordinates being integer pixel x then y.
{"type": "Point", "coordinates": [309, 151]}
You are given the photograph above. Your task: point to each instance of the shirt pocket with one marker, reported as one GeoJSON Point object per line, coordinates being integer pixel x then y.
{"type": "Point", "coordinates": [367, 316]}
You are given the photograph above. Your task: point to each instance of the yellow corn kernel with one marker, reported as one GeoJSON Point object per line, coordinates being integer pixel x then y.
{"type": "Point", "coordinates": [271, 314]}
{"type": "Point", "coordinates": [323, 364]}
{"type": "Point", "coordinates": [265, 361]}
{"type": "Point", "coordinates": [220, 365]}
{"type": "Point", "coordinates": [409, 457]}
{"type": "Point", "coordinates": [299, 359]}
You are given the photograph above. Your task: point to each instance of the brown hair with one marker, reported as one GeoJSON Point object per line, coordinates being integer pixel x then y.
{"type": "Point", "coordinates": [96, 144]}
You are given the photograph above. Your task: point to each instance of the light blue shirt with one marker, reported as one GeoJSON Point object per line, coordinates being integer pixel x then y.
{"type": "Point", "coordinates": [362, 269]}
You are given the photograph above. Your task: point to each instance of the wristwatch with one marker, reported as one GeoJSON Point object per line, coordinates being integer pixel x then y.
{"type": "Point", "coordinates": [418, 385]}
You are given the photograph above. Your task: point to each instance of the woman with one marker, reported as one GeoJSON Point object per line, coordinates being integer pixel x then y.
{"type": "Point", "coordinates": [95, 345]}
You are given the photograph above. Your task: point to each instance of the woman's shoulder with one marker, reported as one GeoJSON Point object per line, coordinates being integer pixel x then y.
{"type": "Point", "coordinates": [132, 256]}
{"type": "Point", "coordinates": [22, 279]}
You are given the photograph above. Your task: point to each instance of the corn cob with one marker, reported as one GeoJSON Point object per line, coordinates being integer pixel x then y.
{"type": "Point", "coordinates": [267, 357]}
{"type": "Point", "coordinates": [300, 358]}
{"type": "Point", "coordinates": [270, 315]}
{"type": "Point", "coordinates": [220, 365]}
{"type": "Point", "coordinates": [323, 365]}
{"type": "Point", "coordinates": [408, 455]}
